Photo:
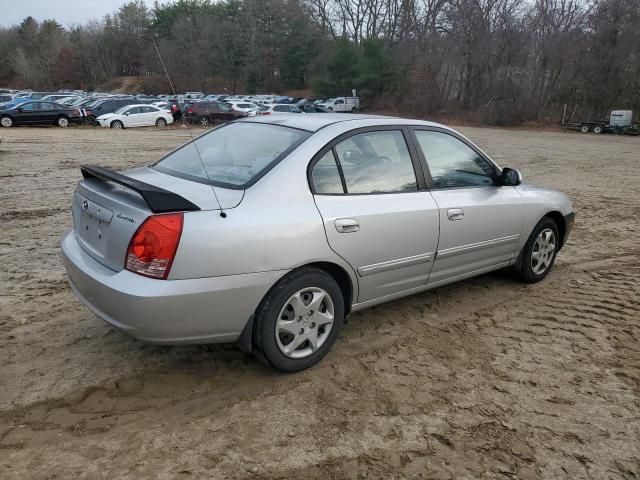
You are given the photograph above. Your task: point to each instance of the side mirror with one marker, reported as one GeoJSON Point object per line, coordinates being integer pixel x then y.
{"type": "Point", "coordinates": [510, 177]}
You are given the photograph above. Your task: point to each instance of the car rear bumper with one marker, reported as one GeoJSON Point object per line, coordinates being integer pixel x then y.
{"type": "Point", "coordinates": [202, 310]}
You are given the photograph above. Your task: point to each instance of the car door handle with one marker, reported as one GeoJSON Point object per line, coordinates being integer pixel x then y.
{"type": "Point", "coordinates": [454, 214]}
{"type": "Point", "coordinates": [347, 225]}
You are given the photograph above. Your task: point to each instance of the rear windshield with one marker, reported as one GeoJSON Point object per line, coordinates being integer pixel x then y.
{"type": "Point", "coordinates": [234, 156]}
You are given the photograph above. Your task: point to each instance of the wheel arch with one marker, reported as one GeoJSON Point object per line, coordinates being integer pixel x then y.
{"type": "Point", "coordinates": [245, 341]}
{"type": "Point", "coordinates": [559, 220]}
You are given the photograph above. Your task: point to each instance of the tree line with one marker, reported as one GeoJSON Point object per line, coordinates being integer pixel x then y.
{"type": "Point", "coordinates": [498, 61]}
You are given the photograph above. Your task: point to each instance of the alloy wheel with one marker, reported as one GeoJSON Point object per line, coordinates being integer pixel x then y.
{"type": "Point", "coordinates": [63, 122]}
{"type": "Point", "coordinates": [304, 322]}
{"type": "Point", "coordinates": [543, 250]}
{"type": "Point", "coordinates": [6, 122]}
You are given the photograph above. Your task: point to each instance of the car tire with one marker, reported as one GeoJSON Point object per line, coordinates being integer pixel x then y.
{"type": "Point", "coordinates": [203, 121]}
{"type": "Point", "coordinates": [539, 253]}
{"type": "Point", "coordinates": [598, 129]}
{"type": "Point", "coordinates": [585, 128]}
{"type": "Point", "coordinates": [62, 122]}
{"type": "Point", "coordinates": [116, 124]}
{"type": "Point", "coordinates": [161, 122]}
{"type": "Point", "coordinates": [276, 318]}
{"type": "Point", "coordinates": [6, 121]}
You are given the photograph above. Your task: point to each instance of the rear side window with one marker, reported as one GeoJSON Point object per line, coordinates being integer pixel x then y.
{"type": "Point", "coordinates": [326, 176]}
{"type": "Point", "coordinates": [281, 108]}
{"type": "Point", "coordinates": [234, 156]}
{"type": "Point", "coordinates": [376, 162]}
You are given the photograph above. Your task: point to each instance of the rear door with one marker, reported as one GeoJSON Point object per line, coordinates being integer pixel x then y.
{"type": "Point", "coordinates": [480, 220]}
{"type": "Point", "coordinates": [369, 188]}
{"type": "Point", "coordinates": [49, 111]}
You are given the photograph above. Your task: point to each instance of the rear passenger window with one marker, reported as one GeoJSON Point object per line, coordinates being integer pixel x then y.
{"type": "Point", "coordinates": [325, 175]}
{"type": "Point", "coordinates": [376, 162]}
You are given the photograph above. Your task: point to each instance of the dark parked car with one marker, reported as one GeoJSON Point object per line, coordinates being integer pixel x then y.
{"type": "Point", "coordinates": [39, 113]}
{"type": "Point", "coordinates": [205, 113]}
{"type": "Point", "coordinates": [313, 109]}
{"type": "Point", "coordinates": [108, 105]}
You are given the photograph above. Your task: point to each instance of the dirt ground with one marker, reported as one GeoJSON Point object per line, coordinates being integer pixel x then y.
{"type": "Point", "coordinates": [487, 378]}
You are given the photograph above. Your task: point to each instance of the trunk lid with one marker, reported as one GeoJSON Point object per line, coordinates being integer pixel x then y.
{"type": "Point", "coordinates": [106, 214]}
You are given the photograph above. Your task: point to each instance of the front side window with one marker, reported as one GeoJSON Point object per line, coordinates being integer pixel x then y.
{"type": "Point", "coordinates": [233, 155]}
{"type": "Point", "coordinates": [376, 162]}
{"type": "Point", "coordinates": [452, 163]}
{"type": "Point", "coordinates": [30, 107]}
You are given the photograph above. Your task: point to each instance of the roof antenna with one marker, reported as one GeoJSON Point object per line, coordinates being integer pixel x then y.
{"type": "Point", "coordinates": [185, 124]}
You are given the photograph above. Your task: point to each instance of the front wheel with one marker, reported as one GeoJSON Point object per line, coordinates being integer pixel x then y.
{"type": "Point", "coordinates": [203, 121]}
{"type": "Point", "coordinates": [299, 319]}
{"type": "Point", "coordinates": [62, 122]}
{"type": "Point", "coordinates": [6, 122]}
{"type": "Point", "coordinates": [117, 124]}
{"type": "Point", "coordinates": [539, 253]}
{"type": "Point", "coordinates": [161, 122]}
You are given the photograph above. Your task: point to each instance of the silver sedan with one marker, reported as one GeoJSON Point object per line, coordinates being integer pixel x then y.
{"type": "Point", "coordinates": [269, 231]}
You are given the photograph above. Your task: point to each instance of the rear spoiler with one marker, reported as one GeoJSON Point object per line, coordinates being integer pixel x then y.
{"type": "Point", "coordinates": [158, 199]}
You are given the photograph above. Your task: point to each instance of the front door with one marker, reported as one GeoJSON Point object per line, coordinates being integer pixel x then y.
{"type": "Point", "coordinates": [29, 113]}
{"type": "Point", "coordinates": [376, 215]}
{"type": "Point", "coordinates": [480, 221]}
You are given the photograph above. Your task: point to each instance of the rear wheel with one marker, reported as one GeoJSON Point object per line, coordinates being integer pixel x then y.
{"type": "Point", "coordinates": [299, 319]}
{"type": "Point", "coordinates": [598, 129]}
{"type": "Point", "coordinates": [585, 129]}
{"type": "Point", "coordinates": [6, 122]}
{"type": "Point", "coordinates": [161, 122]}
{"type": "Point", "coordinates": [539, 253]}
{"type": "Point", "coordinates": [62, 122]}
{"type": "Point", "coordinates": [117, 124]}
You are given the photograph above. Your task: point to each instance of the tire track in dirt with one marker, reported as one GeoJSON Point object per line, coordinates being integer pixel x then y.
{"type": "Point", "coordinates": [450, 360]}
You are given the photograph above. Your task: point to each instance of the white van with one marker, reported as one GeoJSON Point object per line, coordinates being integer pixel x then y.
{"type": "Point", "coordinates": [342, 104]}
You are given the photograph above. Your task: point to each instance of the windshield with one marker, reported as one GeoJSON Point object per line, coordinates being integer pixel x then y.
{"type": "Point", "coordinates": [122, 109]}
{"type": "Point", "coordinates": [234, 155]}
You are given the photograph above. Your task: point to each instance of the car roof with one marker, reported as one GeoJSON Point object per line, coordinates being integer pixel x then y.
{"type": "Point", "coordinates": [314, 122]}
{"type": "Point", "coordinates": [140, 105]}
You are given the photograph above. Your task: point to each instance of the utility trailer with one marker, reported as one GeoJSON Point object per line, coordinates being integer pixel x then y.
{"type": "Point", "coordinates": [620, 122]}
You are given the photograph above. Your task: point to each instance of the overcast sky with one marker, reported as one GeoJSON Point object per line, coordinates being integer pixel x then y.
{"type": "Point", "coordinates": [67, 12]}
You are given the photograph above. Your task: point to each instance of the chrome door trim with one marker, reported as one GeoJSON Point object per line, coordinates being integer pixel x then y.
{"type": "Point", "coordinates": [356, 307]}
{"type": "Point", "coordinates": [472, 247]}
{"type": "Point", "coordinates": [393, 264]}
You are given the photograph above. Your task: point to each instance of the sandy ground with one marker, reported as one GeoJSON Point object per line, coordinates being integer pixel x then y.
{"type": "Point", "coordinates": [483, 379]}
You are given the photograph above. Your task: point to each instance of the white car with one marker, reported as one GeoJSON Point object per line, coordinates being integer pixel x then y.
{"type": "Point", "coordinates": [278, 108]}
{"type": "Point", "coordinates": [243, 106]}
{"type": "Point", "coordinates": [136, 116]}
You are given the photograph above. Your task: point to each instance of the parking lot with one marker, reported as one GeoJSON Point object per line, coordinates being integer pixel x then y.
{"type": "Point", "coordinates": [487, 378]}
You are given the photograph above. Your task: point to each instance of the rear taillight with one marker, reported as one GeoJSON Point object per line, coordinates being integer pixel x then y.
{"type": "Point", "coordinates": [153, 247]}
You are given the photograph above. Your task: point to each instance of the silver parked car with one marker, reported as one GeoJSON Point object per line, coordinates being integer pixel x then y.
{"type": "Point", "coordinates": [269, 231]}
